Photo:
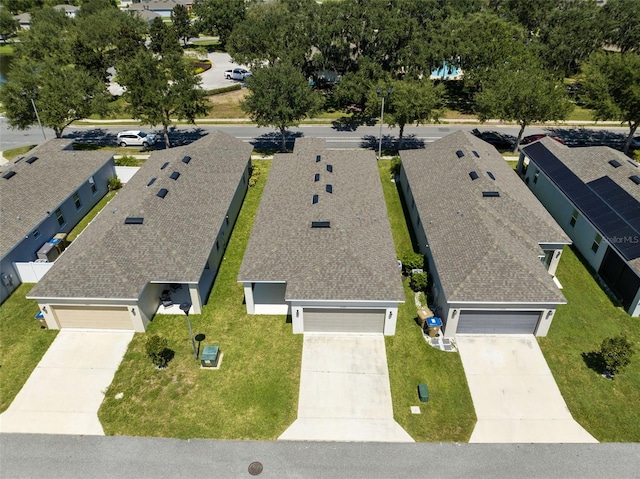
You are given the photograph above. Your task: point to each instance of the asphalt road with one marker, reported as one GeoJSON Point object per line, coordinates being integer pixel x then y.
{"type": "Point", "coordinates": [45, 456]}
{"type": "Point", "coordinates": [339, 136]}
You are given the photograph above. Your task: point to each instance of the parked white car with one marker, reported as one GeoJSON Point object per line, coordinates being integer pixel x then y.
{"type": "Point", "coordinates": [240, 74]}
{"type": "Point", "coordinates": [136, 138]}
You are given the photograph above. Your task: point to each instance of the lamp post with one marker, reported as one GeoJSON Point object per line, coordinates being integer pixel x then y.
{"type": "Point", "coordinates": [186, 306]}
{"type": "Point", "coordinates": [384, 96]}
{"type": "Point", "coordinates": [35, 110]}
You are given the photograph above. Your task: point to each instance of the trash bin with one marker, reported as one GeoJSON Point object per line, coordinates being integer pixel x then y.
{"type": "Point", "coordinates": [433, 326]}
{"type": "Point", "coordinates": [423, 314]}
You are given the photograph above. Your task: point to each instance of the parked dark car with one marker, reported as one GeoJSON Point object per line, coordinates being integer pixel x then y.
{"type": "Point", "coordinates": [498, 140]}
{"type": "Point", "coordinates": [531, 138]}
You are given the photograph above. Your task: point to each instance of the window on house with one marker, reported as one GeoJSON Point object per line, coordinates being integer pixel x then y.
{"type": "Point", "coordinates": [36, 234]}
{"type": "Point", "coordinates": [574, 218]}
{"type": "Point", "coordinates": [92, 183]}
{"type": "Point", "coordinates": [76, 201]}
{"type": "Point", "coordinates": [413, 203]}
{"type": "Point", "coordinates": [60, 217]}
{"type": "Point", "coordinates": [596, 243]}
{"type": "Point", "coordinates": [217, 246]}
{"type": "Point", "coordinates": [535, 176]}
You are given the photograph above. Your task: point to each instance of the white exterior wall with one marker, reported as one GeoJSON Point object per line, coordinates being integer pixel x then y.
{"type": "Point", "coordinates": [268, 298]}
{"type": "Point", "coordinates": [390, 311]}
{"type": "Point", "coordinates": [561, 208]}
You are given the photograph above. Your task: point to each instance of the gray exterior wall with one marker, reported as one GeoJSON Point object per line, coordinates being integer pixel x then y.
{"type": "Point", "coordinates": [583, 233]}
{"type": "Point", "coordinates": [26, 249]}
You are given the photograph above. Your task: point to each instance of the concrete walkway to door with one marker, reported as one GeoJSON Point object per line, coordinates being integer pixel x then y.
{"type": "Point", "coordinates": [65, 390]}
{"type": "Point", "coordinates": [344, 391]}
{"type": "Point", "coordinates": [514, 393]}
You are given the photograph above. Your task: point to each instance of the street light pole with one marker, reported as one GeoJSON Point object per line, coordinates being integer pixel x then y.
{"type": "Point", "coordinates": [185, 307]}
{"type": "Point", "coordinates": [383, 96]}
{"type": "Point", "coordinates": [35, 110]}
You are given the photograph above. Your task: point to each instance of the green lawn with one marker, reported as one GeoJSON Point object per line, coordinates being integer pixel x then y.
{"type": "Point", "coordinates": [73, 234]}
{"type": "Point", "coordinates": [608, 409]}
{"type": "Point", "coordinates": [22, 343]}
{"type": "Point", "coordinates": [13, 153]}
{"type": "Point", "coordinates": [255, 393]}
{"type": "Point", "coordinates": [449, 416]}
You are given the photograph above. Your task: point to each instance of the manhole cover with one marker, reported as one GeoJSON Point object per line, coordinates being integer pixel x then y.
{"type": "Point", "coordinates": [255, 468]}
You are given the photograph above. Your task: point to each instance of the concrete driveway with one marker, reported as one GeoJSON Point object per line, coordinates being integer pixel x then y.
{"type": "Point", "coordinates": [64, 392]}
{"type": "Point", "coordinates": [344, 391]}
{"type": "Point", "coordinates": [514, 393]}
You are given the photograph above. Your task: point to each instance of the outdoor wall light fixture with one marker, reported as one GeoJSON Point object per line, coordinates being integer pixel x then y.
{"type": "Point", "coordinates": [549, 313]}
{"type": "Point", "coordinates": [390, 314]}
{"type": "Point", "coordinates": [297, 313]}
{"type": "Point", "coordinates": [44, 309]}
{"type": "Point", "coordinates": [133, 311]}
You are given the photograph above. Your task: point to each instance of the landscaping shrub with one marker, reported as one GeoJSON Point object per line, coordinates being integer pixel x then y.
{"type": "Point", "coordinates": [616, 354]}
{"type": "Point", "coordinates": [218, 91]}
{"type": "Point", "coordinates": [412, 260]}
{"type": "Point", "coordinates": [127, 160]}
{"type": "Point", "coordinates": [418, 282]}
{"type": "Point", "coordinates": [394, 169]}
{"type": "Point", "coordinates": [157, 350]}
{"type": "Point", "coordinates": [255, 174]}
{"type": "Point", "coordinates": [114, 183]}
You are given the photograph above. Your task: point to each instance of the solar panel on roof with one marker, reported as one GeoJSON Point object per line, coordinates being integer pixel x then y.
{"type": "Point", "coordinates": [615, 163]}
{"type": "Point", "coordinates": [473, 175]}
{"type": "Point", "coordinates": [460, 153]}
{"type": "Point", "coordinates": [162, 192]}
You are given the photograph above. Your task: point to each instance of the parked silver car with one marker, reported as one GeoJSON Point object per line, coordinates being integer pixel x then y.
{"type": "Point", "coordinates": [136, 138]}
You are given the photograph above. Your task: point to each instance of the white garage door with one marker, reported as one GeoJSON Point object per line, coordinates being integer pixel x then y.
{"type": "Point", "coordinates": [498, 322]}
{"type": "Point", "coordinates": [93, 317]}
{"type": "Point", "coordinates": [343, 320]}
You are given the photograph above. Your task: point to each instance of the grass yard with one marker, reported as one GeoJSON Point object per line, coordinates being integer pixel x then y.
{"type": "Point", "coordinates": [449, 415]}
{"type": "Point", "coordinates": [255, 393]}
{"type": "Point", "coordinates": [608, 409]}
{"type": "Point", "coordinates": [22, 343]}
{"type": "Point", "coordinates": [13, 153]}
{"type": "Point", "coordinates": [73, 234]}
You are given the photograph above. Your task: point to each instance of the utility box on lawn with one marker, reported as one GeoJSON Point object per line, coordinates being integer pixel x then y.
{"type": "Point", "coordinates": [423, 392]}
{"type": "Point", "coordinates": [209, 358]}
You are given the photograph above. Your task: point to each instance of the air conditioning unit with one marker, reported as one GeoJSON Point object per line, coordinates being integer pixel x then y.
{"type": "Point", "coordinates": [48, 252]}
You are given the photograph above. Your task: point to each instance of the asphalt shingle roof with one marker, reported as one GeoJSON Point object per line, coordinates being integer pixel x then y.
{"type": "Point", "coordinates": [607, 195]}
{"type": "Point", "coordinates": [353, 259]}
{"type": "Point", "coordinates": [485, 249]}
{"type": "Point", "coordinates": [41, 186]}
{"type": "Point", "coordinates": [111, 259]}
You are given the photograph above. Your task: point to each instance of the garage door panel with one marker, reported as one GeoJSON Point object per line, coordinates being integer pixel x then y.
{"type": "Point", "coordinates": [93, 317]}
{"type": "Point", "coordinates": [344, 320]}
{"type": "Point", "coordinates": [498, 322]}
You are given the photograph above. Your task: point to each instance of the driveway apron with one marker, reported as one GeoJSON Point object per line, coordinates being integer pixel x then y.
{"type": "Point", "coordinates": [345, 393]}
{"type": "Point", "coordinates": [65, 390]}
{"type": "Point", "coordinates": [514, 393]}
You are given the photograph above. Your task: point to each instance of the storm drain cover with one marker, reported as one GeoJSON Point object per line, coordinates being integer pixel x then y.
{"type": "Point", "coordinates": [255, 468]}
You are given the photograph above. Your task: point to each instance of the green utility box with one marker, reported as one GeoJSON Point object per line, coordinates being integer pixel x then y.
{"type": "Point", "coordinates": [423, 392]}
{"type": "Point", "coordinates": [209, 358]}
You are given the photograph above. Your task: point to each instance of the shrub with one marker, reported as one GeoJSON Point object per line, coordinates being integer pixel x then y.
{"type": "Point", "coordinates": [418, 282]}
{"type": "Point", "coordinates": [412, 260]}
{"type": "Point", "coordinates": [616, 354]}
{"type": "Point", "coordinates": [127, 160]}
{"type": "Point", "coordinates": [157, 350]}
{"type": "Point", "coordinates": [255, 174]}
{"type": "Point", "coordinates": [226, 89]}
{"type": "Point", "coordinates": [114, 183]}
{"type": "Point", "coordinates": [394, 170]}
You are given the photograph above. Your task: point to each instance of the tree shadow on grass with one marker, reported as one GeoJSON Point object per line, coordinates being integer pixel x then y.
{"type": "Point", "coordinates": [593, 360]}
{"type": "Point", "coordinates": [391, 144]}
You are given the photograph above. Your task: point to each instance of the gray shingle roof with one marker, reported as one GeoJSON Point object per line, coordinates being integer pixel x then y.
{"type": "Point", "coordinates": [609, 198]}
{"type": "Point", "coordinates": [42, 186]}
{"type": "Point", "coordinates": [111, 259]}
{"type": "Point", "coordinates": [485, 249]}
{"type": "Point", "coordinates": [354, 259]}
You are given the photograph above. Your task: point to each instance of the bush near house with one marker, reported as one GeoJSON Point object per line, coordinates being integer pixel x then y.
{"type": "Point", "coordinates": [418, 282]}
{"type": "Point", "coordinates": [616, 354]}
{"type": "Point", "coordinates": [114, 183]}
{"type": "Point", "coordinates": [412, 260]}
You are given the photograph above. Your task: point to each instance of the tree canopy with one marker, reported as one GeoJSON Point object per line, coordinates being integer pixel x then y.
{"type": "Point", "coordinates": [523, 93]}
{"type": "Point", "coordinates": [279, 96]}
{"type": "Point", "coordinates": [218, 17]}
{"type": "Point", "coordinates": [612, 89]}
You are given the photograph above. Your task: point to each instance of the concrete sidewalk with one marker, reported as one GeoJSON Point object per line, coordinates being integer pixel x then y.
{"type": "Point", "coordinates": [65, 391]}
{"type": "Point", "coordinates": [514, 393]}
{"type": "Point", "coordinates": [345, 393]}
